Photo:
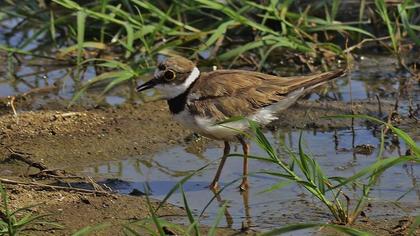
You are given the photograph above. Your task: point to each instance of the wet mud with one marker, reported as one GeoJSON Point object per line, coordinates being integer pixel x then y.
{"type": "Point", "coordinates": [61, 146]}
{"type": "Point", "coordinates": [70, 140]}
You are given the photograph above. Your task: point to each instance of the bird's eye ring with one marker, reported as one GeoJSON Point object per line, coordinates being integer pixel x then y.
{"type": "Point", "coordinates": [169, 75]}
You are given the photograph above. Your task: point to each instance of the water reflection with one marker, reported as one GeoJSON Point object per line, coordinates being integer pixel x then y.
{"type": "Point", "coordinates": [368, 81]}
{"type": "Point", "coordinates": [333, 150]}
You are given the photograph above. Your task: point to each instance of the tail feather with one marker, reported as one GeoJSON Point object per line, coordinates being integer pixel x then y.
{"type": "Point", "coordinates": [311, 81]}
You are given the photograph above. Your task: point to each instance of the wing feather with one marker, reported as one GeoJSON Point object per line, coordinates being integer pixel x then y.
{"type": "Point", "coordinates": [225, 93]}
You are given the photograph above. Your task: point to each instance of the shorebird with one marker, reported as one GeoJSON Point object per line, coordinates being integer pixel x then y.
{"type": "Point", "coordinates": [201, 100]}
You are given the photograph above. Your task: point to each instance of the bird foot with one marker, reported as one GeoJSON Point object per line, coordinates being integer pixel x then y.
{"type": "Point", "coordinates": [244, 186]}
{"type": "Point", "coordinates": [214, 186]}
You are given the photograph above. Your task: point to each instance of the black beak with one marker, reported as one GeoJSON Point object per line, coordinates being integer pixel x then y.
{"type": "Point", "coordinates": [149, 84]}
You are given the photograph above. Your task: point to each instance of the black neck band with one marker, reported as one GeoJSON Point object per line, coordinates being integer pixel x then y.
{"type": "Point", "coordinates": [177, 104]}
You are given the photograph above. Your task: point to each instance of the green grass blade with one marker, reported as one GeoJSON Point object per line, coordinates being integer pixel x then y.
{"type": "Point", "coordinates": [414, 226]}
{"type": "Point", "coordinates": [81, 22]}
{"type": "Point", "coordinates": [275, 173]}
{"type": "Point", "coordinates": [383, 12]}
{"type": "Point", "coordinates": [179, 184]}
{"type": "Point", "coordinates": [134, 232]}
{"type": "Point", "coordinates": [101, 77]}
{"type": "Point", "coordinates": [374, 169]}
{"type": "Point", "coordinates": [10, 219]}
{"type": "Point", "coordinates": [238, 16]}
{"type": "Point", "coordinates": [26, 208]}
{"type": "Point", "coordinates": [189, 213]}
{"type": "Point", "coordinates": [231, 119]}
{"type": "Point", "coordinates": [34, 219]}
{"type": "Point", "coordinates": [339, 28]}
{"type": "Point", "coordinates": [276, 186]}
{"type": "Point", "coordinates": [406, 23]}
{"type": "Point", "coordinates": [219, 216]}
{"type": "Point", "coordinates": [153, 215]}
{"type": "Point", "coordinates": [219, 32]}
{"type": "Point", "coordinates": [130, 39]}
{"type": "Point", "coordinates": [304, 159]}
{"type": "Point", "coordinates": [162, 15]}
{"type": "Point", "coordinates": [52, 26]}
{"type": "Point", "coordinates": [216, 194]}
{"type": "Point", "coordinates": [295, 227]}
{"type": "Point", "coordinates": [120, 78]}
{"type": "Point", "coordinates": [289, 228]}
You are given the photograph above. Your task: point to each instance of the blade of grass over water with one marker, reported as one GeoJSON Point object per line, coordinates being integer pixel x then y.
{"type": "Point", "coordinates": [121, 40]}
{"type": "Point", "coordinates": [193, 222]}
{"type": "Point", "coordinates": [296, 227]}
{"type": "Point", "coordinates": [216, 194]}
{"type": "Point", "coordinates": [374, 169]}
{"type": "Point", "coordinates": [303, 162]}
{"type": "Point", "coordinates": [219, 216]}
{"type": "Point", "coordinates": [153, 215]}
{"type": "Point", "coordinates": [319, 185]}
{"type": "Point", "coordinates": [179, 184]}
{"type": "Point", "coordinates": [81, 22]}
{"type": "Point", "coordinates": [361, 202]}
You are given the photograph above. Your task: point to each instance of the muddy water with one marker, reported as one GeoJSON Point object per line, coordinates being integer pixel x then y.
{"type": "Point", "coordinates": [291, 204]}
{"type": "Point", "coordinates": [335, 151]}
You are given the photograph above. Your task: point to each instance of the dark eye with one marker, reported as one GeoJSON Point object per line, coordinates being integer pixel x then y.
{"type": "Point", "coordinates": [169, 75]}
{"type": "Point", "coordinates": [161, 67]}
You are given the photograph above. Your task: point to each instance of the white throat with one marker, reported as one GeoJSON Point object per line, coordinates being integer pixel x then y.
{"type": "Point", "coordinates": [169, 91]}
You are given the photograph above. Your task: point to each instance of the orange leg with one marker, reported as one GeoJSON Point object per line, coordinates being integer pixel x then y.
{"type": "Point", "coordinates": [226, 151]}
{"type": "Point", "coordinates": [245, 147]}
{"type": "Point", "coordinates": [247, 223]}
{"type": "Point", "coordinates": [228, 216]}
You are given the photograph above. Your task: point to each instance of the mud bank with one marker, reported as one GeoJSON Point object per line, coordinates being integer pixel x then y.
{"type": "Point", "coordinates": [69, 140]}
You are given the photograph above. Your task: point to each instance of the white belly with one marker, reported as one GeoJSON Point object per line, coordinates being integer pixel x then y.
{"type": "Point", "coordinates": [208, 128]}
{"type": "Point", "coordinates": [227, 131]}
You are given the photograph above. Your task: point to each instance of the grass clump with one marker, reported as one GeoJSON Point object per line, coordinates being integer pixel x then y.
{"type": "Point", "coordinates": [135, 32]}
{"type": "Point", "coordinates": [305, 171]}
{"type": "Point", "coordinates": [13, 222]}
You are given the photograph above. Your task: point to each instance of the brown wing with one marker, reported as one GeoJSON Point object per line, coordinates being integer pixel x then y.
{"type": "Point", "coordinates": [226, 93]}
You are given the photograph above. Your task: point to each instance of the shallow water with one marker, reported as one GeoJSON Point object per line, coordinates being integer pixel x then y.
{"type": "Point", "coordinates": [375, 76]}
{"type": "Point", "coordinates": [289, 205]}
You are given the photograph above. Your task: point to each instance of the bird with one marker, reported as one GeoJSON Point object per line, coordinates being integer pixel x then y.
{"type": "Point", "coordinates": [201, 101]}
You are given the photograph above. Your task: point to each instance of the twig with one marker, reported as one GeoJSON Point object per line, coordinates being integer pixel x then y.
{"type": "Point", "coordinates": [46, 186]}
{"type": "Point", "coordinates": [389, 120]}
{"type": "Point", "coordinates": [364, 41]}
{"type": "Point", "coordinates": [25, 157]}
{"type": "Point", "coordinates": [11, 103]}
{"type": "Point", "coordinates": [217, 46]}
{"type": "Point", "coordinates": [379, 105]}
{"type": "Point", "coordinates": [44, 171]}
{"type": "Point", "coordinates": [95, 185]}
{"type": "Point", "coordinates": [41, 90]}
